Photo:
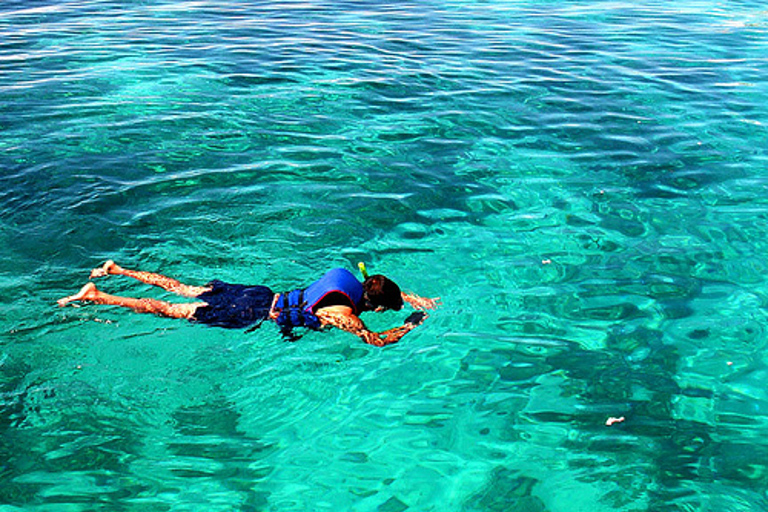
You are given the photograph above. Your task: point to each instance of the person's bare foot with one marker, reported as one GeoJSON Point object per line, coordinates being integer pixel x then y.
{"type": "Point", "coordinates": [87, 292]}
{"type": "Point", "coordinates": [108, 268]}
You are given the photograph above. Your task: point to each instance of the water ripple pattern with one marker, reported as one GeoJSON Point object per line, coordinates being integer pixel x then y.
{"type": "Point", "coordinates": [582, 182]}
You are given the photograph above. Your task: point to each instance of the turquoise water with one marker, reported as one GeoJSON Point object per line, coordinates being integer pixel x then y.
{"type": "Point", "coordinates": [582, 182]}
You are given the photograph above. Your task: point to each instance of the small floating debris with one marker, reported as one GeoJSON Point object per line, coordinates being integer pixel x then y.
{"type": "Point", "coordinates": [610, 421]}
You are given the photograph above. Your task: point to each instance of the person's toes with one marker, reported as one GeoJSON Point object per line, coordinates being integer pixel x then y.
{"type": "Point", "coordinates": [102, 271]}
{"type": "Point", "coordinates": [86, 292]}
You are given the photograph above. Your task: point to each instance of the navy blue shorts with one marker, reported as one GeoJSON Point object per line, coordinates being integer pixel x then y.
{"type": "Point", "coordinates": [234, 306]}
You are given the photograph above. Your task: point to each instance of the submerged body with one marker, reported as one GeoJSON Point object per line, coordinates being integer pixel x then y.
{"type": "Point", "coordinates": [335, 300]}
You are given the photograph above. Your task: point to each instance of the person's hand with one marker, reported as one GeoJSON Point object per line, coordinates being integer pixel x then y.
{"type": "Point", "coordinates": [422, 303]}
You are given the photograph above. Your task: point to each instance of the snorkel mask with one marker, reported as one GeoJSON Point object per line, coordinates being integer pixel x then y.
{"type": "Point", "coordinates": [394, 300]}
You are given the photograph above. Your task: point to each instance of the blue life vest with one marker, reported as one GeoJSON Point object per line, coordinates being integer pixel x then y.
{"type": "Point", "coordinates": [297, 307]}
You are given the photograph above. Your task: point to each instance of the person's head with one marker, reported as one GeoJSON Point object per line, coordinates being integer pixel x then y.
{"type": "Point", "coordinates": [382, 293]}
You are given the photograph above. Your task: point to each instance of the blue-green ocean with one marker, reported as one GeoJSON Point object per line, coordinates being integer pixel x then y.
{"type": "Point", "coordinates": [584, 183]}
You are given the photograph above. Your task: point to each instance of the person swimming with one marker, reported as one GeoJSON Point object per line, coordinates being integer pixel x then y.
{"type": "Point", "coordinates": [335, 300]}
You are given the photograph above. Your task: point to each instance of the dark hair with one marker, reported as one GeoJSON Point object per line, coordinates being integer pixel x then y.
{"type": "Point", "coordinates": [382, 291]}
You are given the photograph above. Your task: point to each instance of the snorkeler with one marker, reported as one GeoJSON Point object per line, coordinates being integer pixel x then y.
{"type": "Point", "coordinates": [335, 300]}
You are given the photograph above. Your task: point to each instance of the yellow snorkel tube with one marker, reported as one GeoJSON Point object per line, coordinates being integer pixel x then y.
{"type": "Point", "coordinates": [363, 270]}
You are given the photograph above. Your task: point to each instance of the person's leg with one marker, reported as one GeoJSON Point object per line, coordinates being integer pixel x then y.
{"type": "Point", "coordinates": [166, 283]}
{"type": "Point", "coordinates": [90, 293]}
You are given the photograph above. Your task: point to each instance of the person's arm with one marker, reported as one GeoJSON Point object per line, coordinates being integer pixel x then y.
{"type": "Point", "coordinates": [420, 303]}
{"type": "Point", "coordinates": [343, 318]}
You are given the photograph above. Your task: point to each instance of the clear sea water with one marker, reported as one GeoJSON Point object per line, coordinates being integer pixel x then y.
{"type": "Point", "coordinates": [584, 183]}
